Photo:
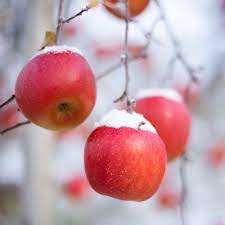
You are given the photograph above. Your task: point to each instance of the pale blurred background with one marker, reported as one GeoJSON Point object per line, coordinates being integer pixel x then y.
{"type": "Point", "coordinates": [42, 179]}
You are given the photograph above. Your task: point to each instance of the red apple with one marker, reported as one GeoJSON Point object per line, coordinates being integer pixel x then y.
{"type": "Point", "coordinates": [116, 8]}
{"type": "Point", "coordinates": [170, 116]}
{"type": "Point", "coordinates": [124, 157]}
{"type": "Point", "coordinates": [56, 88]}
{"type": "Point", "coordinates": [76, 187]}
{"type": "Point", "coordinates": [216, 155]}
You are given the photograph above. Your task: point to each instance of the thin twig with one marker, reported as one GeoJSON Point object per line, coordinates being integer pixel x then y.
{"type": "Point", "coordinates": [77, 14]}
{"type": "Point", "coordinates": [118, 65]}
{"type": "Point", "coordinates": [176, 45]}
{"type": "Point", "coordinates": [14, 127]}
{"type": "Point", "coordinates": [125, 60]}
{"type": "Point", "coordinates": [7, 101]}
{"type": "Point", "coordinates": [62, 21]}
{"type": "Point", "coordinates": [142, 54]}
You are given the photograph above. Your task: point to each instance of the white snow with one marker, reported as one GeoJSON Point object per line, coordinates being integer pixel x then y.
{"type": "Point", "coordinates": [58, 49]}
{"type": "Point", "coordinates": [121, 118]}
{"type": "Point", "coordinates": [162, 92]}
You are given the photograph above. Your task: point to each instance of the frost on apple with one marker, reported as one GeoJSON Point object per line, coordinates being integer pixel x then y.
{"type": "Point", "coordinates": [121, 118]}
{"type": "Point", "coordinates": [58, 49]}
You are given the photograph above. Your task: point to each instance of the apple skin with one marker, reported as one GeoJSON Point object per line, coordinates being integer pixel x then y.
{"type": "Point", "coordinates": [56, 90]}
{"type": "Point", "coordinates": [136, 7]}
{"type": "Point", "coordinates": [77, 187]}
{"type": "Point", "coordinates": [125, 163]}
{"type": "Point", "coordinates": [171, 119]}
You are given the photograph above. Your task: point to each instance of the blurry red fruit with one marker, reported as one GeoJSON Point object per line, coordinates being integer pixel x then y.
{"type": "Point", "coordinates": [77, 187]}
{"type": "Point", "coordinates": [170, 117]}
{"type": "Point", "coordinates": [168, 197]}
{"type": "Point", "coordinates": [190, 92]}
{"type": "Point", "coordinates": [9, 116]}
{"type": "Point", "coordinates": [216, 155]}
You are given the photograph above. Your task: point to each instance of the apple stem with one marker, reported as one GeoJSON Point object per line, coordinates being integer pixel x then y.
{"type": "Point", "coordinates": [14, 127]}
{"type": "Point", "coordinates": [7, 101]}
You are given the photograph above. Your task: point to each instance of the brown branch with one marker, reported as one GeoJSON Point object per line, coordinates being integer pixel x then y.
{"type": "Point", "coordinates": [14, 127]}
{"type": "Point", "coordinates": [176, 45]}
{"type": "Point", "coordinates": [7, 101]}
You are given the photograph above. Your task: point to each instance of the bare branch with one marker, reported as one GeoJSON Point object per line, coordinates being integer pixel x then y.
{"type": "Point", "coordinates": [118, 65]}
{"type": "Point", "coordinates": [7, 101]}
{"type": "Point", "coordinates": [14, 127]}
{"type": "Point", "coordinates": [176, 45]}
{"type": "Point", "coordinates": [77, 14]}
{"type": "Point", "coordinates": [60, 19]}
{"type": "Point", "coordinates": [125, 58]}
{"type": "Point", "coordinates": [141, 55]}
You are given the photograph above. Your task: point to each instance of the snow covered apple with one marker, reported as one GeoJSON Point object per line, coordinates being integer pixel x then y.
{"type": "Point", "coordinates": [117, 8]}
{"type": "Point", "coordinates": [56, 88]}
{"type": "Point", "coordinates": [124, 157]}
{"type": "Point", "coordinates": [167, 112]}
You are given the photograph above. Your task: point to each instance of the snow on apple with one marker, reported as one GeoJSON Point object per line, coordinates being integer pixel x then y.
{"type": "Point", "coordinates": [125, 151]}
